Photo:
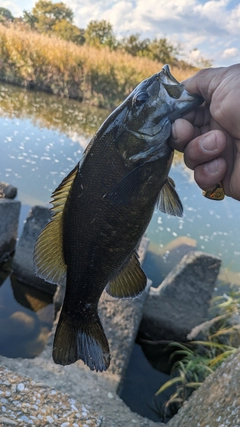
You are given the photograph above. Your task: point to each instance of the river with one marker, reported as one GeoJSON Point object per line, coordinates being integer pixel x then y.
{"type": "Point", "coordinates": [42, 137]}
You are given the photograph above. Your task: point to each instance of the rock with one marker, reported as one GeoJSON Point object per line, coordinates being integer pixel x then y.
{"type": "Point", "coordinates": [59, 297]}
{"type": "Point", "coordinates": [22, 264]}
{"type": "Point", "coordinates": [181, 301]}
{"type": "Point", "coordinates": [174, 251]}
{"type": "Point", "coordinates": [121, 319]}
{"type": "Point", "coordinates": [9, 214]}
{"type": "Point", "coordinates": [230, 334]}
{"type": "Point", "coordinates": [142, 249]}
{"type": "Point", "coordinates": [25, 402]}
{"type": "Point", "coordinates": [7, 191]}
{"type": "Point", "coordinates": [158, 264]}
{"type": "Point", "coordinates": [201, 332]}
{"type": "Point", "coordinates": [216, 403]}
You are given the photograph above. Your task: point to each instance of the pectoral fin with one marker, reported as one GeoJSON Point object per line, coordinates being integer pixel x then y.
{"type": "Point", "coordinates": [130, 282]}
{"type": "Point", "coordinates": [126, 188]}
{"type": "Point", "coordinates": [168, 200]}
{"type": "Point", "coordinates": [48, 251]}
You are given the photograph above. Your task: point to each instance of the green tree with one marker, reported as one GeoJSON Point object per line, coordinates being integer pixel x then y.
{"type": "Point", "coordinates": [5, 15]}
{"type": "Point", "coordinates": [163, 51]}
{"type": "Point", "coordinates": [133, 45]}
{"type": "Point", "coordinates": [57, 18]}
{"type": "Point", "coordinates": [29, 18]}
{"type": "Point", "coordinates": [67, 31]}
{"type": "Point", "coordinates": [100, 33]}
{"type": "Point", "coordinates": [48, 14]}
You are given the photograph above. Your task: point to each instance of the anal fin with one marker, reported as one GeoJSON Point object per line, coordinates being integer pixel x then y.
{"type": "Point", "coordinates": [130, 282]}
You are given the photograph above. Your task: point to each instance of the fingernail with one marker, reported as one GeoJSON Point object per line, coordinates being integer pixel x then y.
{"type": "Point", "coordinates": [209, 143]}
{"type": "Point", "coordinates": [212, 167]}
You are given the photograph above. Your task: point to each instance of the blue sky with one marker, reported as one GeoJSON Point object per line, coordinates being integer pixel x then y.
{"type": "Point", "coordinates": [208, 29]}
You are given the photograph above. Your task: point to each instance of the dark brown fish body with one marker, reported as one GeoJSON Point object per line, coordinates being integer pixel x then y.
{"type": "Point", "coordinates": [103, 208]}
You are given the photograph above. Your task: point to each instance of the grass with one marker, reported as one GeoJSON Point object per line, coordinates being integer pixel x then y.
{"type": "Point", "coordinates": [196, 360]}
{"type": "Point", "coordinates": [99, 76]}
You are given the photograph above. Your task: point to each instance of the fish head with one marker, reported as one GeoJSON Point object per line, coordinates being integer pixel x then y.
{"type": "Point", "coordinates": [151, 109]}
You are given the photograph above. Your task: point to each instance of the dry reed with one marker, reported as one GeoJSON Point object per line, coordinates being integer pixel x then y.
{"type": "Point", "coordinates": [99, 76]}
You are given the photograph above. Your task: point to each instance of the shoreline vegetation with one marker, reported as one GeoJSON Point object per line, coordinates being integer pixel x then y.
{"type": "Point", "coordinates": [98, 76]}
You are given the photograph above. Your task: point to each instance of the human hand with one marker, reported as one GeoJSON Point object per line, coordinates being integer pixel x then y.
{"type": "Point", "coordinates": [210, 136]}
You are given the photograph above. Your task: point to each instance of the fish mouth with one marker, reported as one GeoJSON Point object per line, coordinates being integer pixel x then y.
{"type": "Point", "coordinates": [166, 73]}
{"type": "Point", "coordinates": [184, 101]}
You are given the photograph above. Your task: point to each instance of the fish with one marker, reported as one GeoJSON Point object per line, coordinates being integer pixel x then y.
{"type": "Point", "coordinates": [102, 209]}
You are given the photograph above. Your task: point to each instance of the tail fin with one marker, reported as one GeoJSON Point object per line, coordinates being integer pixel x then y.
{"type": "Point", "coordinates": [76, 340]}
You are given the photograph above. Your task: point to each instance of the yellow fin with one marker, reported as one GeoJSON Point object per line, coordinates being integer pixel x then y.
{"type": "Point", "coordinates": [217, 193]}
{"type": "Point", "coordinates": [168, 200]}
{"type": "Point", "coordinates": [48, 252]}
{"type": "Point", "coordinates": [130, 282]}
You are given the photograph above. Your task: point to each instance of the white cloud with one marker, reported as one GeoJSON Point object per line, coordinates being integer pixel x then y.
{"type": "Point", "coordinates": [230, 52]}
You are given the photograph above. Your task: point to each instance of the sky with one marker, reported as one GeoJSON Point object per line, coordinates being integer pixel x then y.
{"type": "Point", "coordinates": [204, 29]}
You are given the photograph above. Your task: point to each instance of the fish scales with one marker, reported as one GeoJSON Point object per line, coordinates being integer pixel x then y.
{"type": "Point", "coordinates": [102, 209]}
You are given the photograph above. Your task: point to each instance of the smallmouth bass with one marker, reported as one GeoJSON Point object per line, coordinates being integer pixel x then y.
{"type": "Point", "coordinates": [102, 209]}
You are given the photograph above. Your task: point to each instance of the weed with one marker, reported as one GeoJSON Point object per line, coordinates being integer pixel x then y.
{"type": "Point", "coordinates": [197, 359]}
{"type": "Point", "coordinates": [45, 62]}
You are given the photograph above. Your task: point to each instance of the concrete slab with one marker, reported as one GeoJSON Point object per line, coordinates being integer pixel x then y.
{"type": "Point", "coordinates": [9, 215]}
{"type": "Point", "coordinates": [22, 264]}
{"type": "Point", "coordinates": [181, 302]}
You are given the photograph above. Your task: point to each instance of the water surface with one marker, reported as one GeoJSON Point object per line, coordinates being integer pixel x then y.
{"type": "Point", "coordinates": [42, 138]}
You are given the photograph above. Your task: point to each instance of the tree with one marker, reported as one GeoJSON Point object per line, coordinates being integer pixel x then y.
{"type": "Point", "coordinates": [48, 14]}
{"type": "Point", "coordinates": [133, 45]}
{"type": "Point", "coordinates": [29, 18]}
{"type": "Point", "coordinates": [67, 31]}
{"type": "Point", "coordinates": [57, 18]}
{"type": "Point", "coordinates": [5, 15]}
{"type": "Point", "coordinates": [100, 33]}
{"type": "Point", "coordinates": [163, 51]}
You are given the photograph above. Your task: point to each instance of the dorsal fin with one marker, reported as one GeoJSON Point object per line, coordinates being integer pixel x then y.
{"type": "Point", "coordinates": [48, 251]}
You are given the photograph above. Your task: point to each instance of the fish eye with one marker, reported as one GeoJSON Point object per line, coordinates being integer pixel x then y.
{"type": "Point", "coordinates": [140, 98]}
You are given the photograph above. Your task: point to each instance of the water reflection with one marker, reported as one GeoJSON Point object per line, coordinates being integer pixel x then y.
{"type": "Point", "coordinates": [26, 318]}
{"type": "Point", "coordinates": [42, 138]}
{"type": "Point", "coordinates": [213, 224]}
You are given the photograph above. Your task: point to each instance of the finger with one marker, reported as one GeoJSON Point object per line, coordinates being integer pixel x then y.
{"type": "Point", "coordinates": [200, 116]}
{"type": "Point", "coordinates": [182, 133]}
{"type": "Point", "coordinates": [204, 148]}
{"type": "Point", "coordinates": [208, 175]}
{"type": "Point", "coordinates": [205, 82]}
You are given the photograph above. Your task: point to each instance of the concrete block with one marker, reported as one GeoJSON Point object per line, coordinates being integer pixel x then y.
{"type": "Point", "coordinates": [181, 302]}
{"type": "Point", "coordinates": [7, 191]}
{"type": "Point", "coordinates": [9, 217]}
{"type": "Point", "coordinates": [22, 265]}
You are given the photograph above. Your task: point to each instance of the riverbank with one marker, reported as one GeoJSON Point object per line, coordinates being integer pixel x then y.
{"type": "Point", "coordinates": [98, 76]}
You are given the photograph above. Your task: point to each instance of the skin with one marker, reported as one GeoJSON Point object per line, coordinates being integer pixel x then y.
{"type": "Point", "coordinates": [209, 137]}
